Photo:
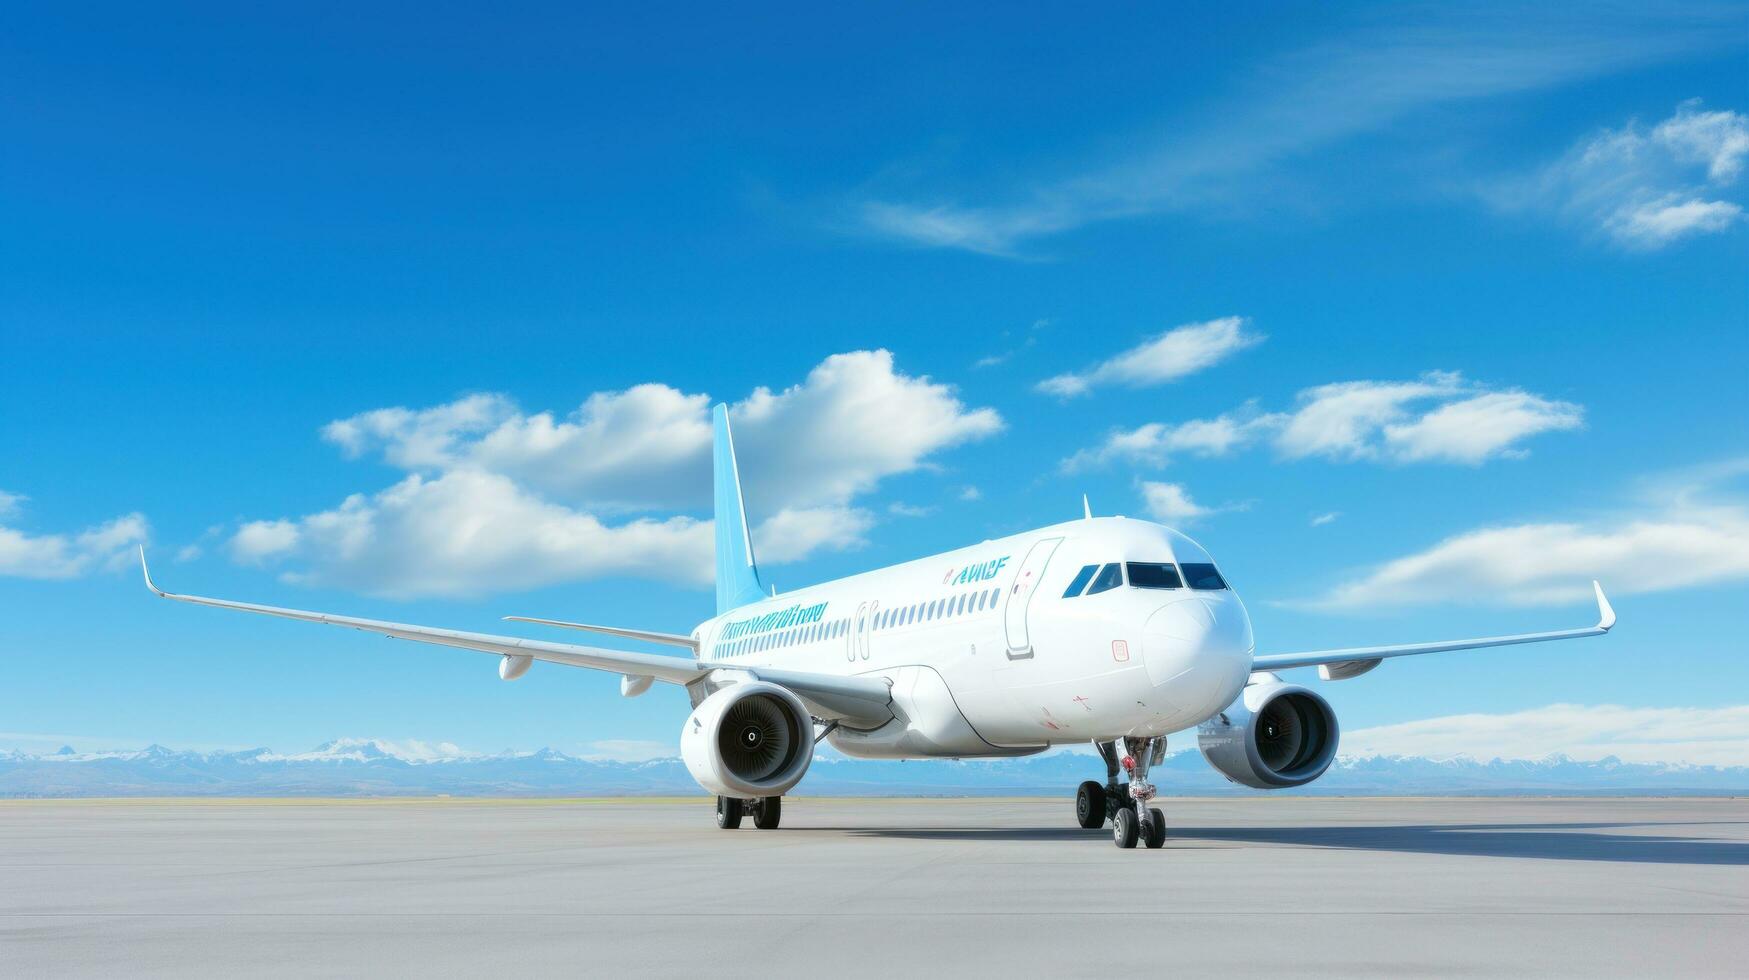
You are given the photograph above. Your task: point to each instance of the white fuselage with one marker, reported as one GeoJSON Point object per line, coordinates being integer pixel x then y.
{"type": "Point", "coordinates": [988, 656]}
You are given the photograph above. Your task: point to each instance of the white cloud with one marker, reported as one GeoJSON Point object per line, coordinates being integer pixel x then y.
{"type": "Point", "coordinates": [1155, 443]}
{"type": "Point", "coordinates": [1660, 221]}
{"type": "Point", "coordinates": [1170, 503]}
{"type": "Point", "coordinates": [421, 439]}
{"type": "Point", "coordinates": [1474, 429]}
{"type": "Point", "coordinates": [500, 500]}
{"type": "Point", "coordinates": [1413, 59]}
{"type": "Point", "coordinates": [1687, 533]}
{"type": "Point", "coordinates": [1542, 564]}
{"type": "Point", "coordinates": [1437, 418]}
{"type": "Point", "coordinates": [899, 508]}
{"type": "Point", "coordinates": [1718, 139]}
{"type": "Point", "coordinates": [794, 533]}
{"type": "Point", "coordinates": [1329, 517]}
{"type": "Point", "coordinates": [468, 532]}
{"type": "Point", "coordinates": [1644, 189]}
{"type": "Point", "coordinates": [1697, 736]}
{"type": "Point", "coordinates": [63, 556]}
{"type": "Point", "coordinates": [1164, 358]}
{"type": "Point", "coordinates": [853, 421]}
{"type": "Point", "coordinates": [259, 541]}
{"type": "Point", "coordinates": [971, 493]}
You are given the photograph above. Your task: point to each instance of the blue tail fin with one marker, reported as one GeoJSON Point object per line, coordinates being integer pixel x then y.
{"type": "Point", "coordinates": [737, 576]}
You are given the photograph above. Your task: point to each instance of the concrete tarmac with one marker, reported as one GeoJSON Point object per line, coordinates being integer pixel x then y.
{"type": "Point", "coordinates": [1273, 887]}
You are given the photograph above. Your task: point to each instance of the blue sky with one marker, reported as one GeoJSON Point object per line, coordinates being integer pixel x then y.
{"type": "Point", "coordinates": [1418, 319]}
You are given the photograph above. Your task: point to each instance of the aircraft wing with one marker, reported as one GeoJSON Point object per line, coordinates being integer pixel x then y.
{"type": "Point", "coordinates": [672, 639]}
{"type": "Point", "coordinates": [1352, 662]}
{"type": "Point", "coordinates": [832, 696]}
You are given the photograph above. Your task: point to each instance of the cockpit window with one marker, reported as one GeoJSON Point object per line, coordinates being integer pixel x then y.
{"type": "Point", "coordinates": [1154, 575]}
{"type": "Point", "coordinates": [1202, 575]}
{"type": "Point", "coordinates": [1080, 582]}
{"type": "Point", "coordinates": [1110, 577]}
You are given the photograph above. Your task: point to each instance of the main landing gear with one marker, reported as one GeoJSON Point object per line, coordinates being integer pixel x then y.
{"type": "Point", "coordinates": [1125, 804]}
{"type": "Point", "coordinates": [766, 811]}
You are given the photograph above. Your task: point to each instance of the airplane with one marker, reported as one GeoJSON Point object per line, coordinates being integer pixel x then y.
{"type": "Point", "coordinates": [1103, 629]}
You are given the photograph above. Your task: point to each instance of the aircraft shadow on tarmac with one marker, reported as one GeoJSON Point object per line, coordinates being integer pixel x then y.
{"type": "Point", "coordinates": [1559, 841]}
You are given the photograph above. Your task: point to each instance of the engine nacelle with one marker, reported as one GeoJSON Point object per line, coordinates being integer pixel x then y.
{"type": "Point", "coordinates": [1273, 736]}
{"type": "Point", "coordinates": [748, 740]}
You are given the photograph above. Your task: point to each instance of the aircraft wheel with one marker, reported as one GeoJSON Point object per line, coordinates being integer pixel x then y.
{"type": "Point", "coordinates": [1090, 805]}
{"type": "Point", "coordinates": [728, 812]}
{"type": "Point", "coordinates": [1154, 835]}
{"type": "Point", "coordinates": [770, 810]}
{"type": "Point", "coordinates": [1123, 829]}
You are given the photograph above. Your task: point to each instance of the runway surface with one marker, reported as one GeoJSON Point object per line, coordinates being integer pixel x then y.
{"type": "Point", "coordinates": [864, 888]}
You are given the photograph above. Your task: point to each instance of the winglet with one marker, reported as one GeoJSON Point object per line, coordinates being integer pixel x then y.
{"type": "Point", "coordinates": [1086, 508]}
{"type": "Point", "coordinates": [1605, 612]}
{"type": "Point", "coordinates": [147, 572]}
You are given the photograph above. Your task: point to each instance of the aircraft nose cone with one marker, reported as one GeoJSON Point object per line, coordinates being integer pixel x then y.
{"type": "Point", "coordinates": [1194, 644]}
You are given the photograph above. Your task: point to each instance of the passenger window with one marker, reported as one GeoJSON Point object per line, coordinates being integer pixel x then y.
{"type": "Point", "coordinates": [1202, 575]}
{"type": "Point", "coordinates": [1154, 575]}
{"type": "Point", "coordinates": [1082, 577]}
{"type": "Point", "coordinates": [1110, 577]}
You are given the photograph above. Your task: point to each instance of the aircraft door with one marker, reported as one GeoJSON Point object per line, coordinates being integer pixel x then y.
{"type": "Point", "coordinates": [868, 624]}
{"type": "Point", "coordinates": [853, 636]}
{"type": "Point", "coordinates": [1026, 579]}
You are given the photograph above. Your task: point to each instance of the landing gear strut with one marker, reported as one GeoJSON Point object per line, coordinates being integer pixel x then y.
{"type": "Point", "coordinates": [766, 811]}
{"type": "Point", "coordinates": [1125, 804]}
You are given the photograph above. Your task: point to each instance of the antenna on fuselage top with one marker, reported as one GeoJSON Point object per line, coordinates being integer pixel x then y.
{"type": "Point", "coordinates": [1086, 508]}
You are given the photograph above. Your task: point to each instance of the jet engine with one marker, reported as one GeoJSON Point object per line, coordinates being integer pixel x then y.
{"type": "Point", "coordinates": [1273, 736]}
{"type": "Point", "coordinates": [748, 740]}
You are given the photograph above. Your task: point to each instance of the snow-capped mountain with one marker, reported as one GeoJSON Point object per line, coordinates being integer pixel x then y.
{"type": "Point", "coordinates": [373, 767]}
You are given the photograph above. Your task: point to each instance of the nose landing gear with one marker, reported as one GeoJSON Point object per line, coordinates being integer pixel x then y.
{"type": "Point", "coordinates": [1125, 804]}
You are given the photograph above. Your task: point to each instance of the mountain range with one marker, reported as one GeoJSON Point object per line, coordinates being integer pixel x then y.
{"type": "Point", "coordinates": [369, 767]}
